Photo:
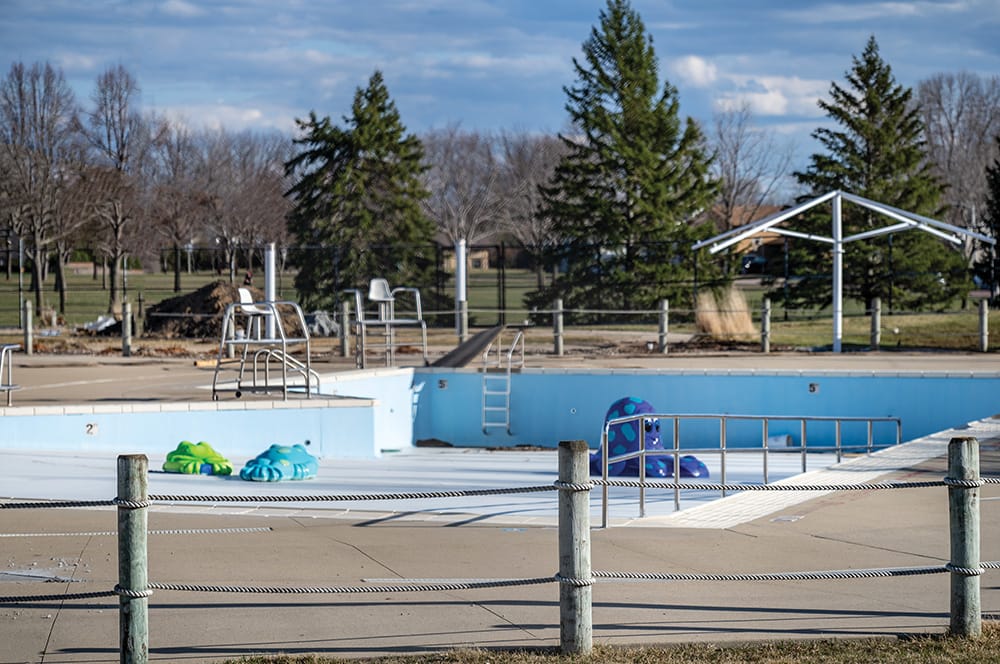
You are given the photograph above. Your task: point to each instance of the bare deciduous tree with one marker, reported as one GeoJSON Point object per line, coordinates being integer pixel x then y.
{"type": "Point", "coordinates": [750, 165]}
{"type": "Point", "coordinates": [37, 128]}
{"type": "Point", "coordinates": [119, 138]}
{"type": "Point", "coordinates": [961, 115]}
{"type": "Point", "coordinates": [245, 179]}
{"type": "Point", "coordinates": [463, 180]}
{"type": "Point", "coordinates": [528, 163]}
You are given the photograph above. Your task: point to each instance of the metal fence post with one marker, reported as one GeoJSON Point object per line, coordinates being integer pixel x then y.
{"type": "Point", "coordinates": [876, 331]}
{"type": "Point", "coordinates": [963, 520]}
{"type": "Point", "coordinates": [133, 609]}
{"type": "Point", "coordinates": [557, 326]}
{"type": "Point", "coordinates": [984, 326]}
{"type": "Point", "coordinates": [29, 345]}
{"type": "Point", "coordinates": [664, 325]}
{"type": "Point", "coordinates": [765, 326]}
{"type": "Point", "coordinates": [576, 626]}
{"type": "Point", "coordinates": [127, 329]}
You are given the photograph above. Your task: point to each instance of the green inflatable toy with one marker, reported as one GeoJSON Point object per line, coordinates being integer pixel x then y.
{"type": "Point", "coordinates": [195, 459]}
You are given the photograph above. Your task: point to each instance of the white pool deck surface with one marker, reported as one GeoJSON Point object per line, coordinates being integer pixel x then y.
{"type": "Point", "coordinates": [87, 476]}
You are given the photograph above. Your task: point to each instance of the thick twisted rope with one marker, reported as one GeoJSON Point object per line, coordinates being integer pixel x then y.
{"type": "Point", "coordinates": [708, 486]}
{"type": "Point", "coordinates": [555, 486]}
{"type": "Point", "coordinates": [420, 587]}
{"type": "Point", "coordinates": [444, 585]}
{"type": "Point", "coordinates": [354, 497]}
{"type": "Point", "coordinates": [184, 531]}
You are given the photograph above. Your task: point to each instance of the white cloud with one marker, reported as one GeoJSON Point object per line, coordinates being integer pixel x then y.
{"type": "Point", "coordinates": [181, 8]}
{"type": "Point", "coordinates": [695, 70]}
{"type": "Point", "coordinates": [773, 95]}
{"type": "Point", "coordinates": [864, 12]}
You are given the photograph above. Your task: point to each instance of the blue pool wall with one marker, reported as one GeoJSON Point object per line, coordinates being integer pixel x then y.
{"type": "Point", "coordinates": [241, 429]}
{"type": "Point", "coordinates": [363, 414]}
{"type": "Point", "coordinates": [549, 405]}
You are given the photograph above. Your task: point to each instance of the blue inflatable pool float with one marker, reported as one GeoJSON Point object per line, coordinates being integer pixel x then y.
{"type": "Point", "coordinates": [281, 462]}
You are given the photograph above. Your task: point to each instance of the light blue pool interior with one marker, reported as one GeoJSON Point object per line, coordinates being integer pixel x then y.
{"type": "Point", "coordinates": [362, 414]}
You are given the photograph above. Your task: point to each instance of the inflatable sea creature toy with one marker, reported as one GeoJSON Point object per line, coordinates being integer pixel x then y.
{"type": "Point", "coordinates": [691, 466]}
{"type": "Point", "coordinates": [196, 459]}
{"type": "Point", "coordinates": [623, 438]}
{"type": "Point", "coordinates": [281, 462]}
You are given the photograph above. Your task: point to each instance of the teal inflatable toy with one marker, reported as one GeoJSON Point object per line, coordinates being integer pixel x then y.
{"type": "Point", "coordinates": [281, 462]}
{"type": "Point", "coordinates": [196, 459]}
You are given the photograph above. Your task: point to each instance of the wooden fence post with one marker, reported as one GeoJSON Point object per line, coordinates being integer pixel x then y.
{"type": "Point", "coordinates": [664, 325]}
{"type": "Point", "coordinates": [875, 340]}
{"type": "Point", "coordinates": [765, 326]}
{"type": "Point", "coordinates": [576, 626]}
{"type": "Point", "coordinates": [963, 513]}
{"type": "Point", "coordinates": [133, 605]}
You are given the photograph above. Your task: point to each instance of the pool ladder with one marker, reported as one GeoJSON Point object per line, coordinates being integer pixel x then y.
{"type": "Point", "coordinates": [497, 368]}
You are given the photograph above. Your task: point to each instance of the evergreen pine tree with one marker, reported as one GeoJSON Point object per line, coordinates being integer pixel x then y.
{"type": "Point", "coordinates": [876, 151]}
{"type": "Point", "coordinates": [988, 266]}
{"type": "Point", "coordinates": [357, 200]}
{"type": "Point", "coordinates": [623, 199]}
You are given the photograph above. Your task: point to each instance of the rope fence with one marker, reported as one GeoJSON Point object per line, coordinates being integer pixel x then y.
{"type": "Point", "coordinates": [574, 577]}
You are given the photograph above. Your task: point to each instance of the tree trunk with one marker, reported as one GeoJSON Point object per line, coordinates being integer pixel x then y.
{"type": "Point", "coordinates": [177, 268]}
{"type": "Point", "coordinates": [61, 279]}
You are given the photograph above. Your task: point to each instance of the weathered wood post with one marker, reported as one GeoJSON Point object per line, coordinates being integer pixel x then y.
{"type": "Point", "coordinates": [963, 519]}
{"type": "Point", "coordinates": [127, 329]}
{"type": "Point", "coordinates": [133, 605]}
{"type": "Point", "coordinates": [664, 326]}
{"type": "Point", "coordinates": [876, 330]}
{"type": "Point", "coordinates": [576, 630]}
{"type": "Point", "coordinates": [29, 342]}
{"type": "Point", "coordinates": [557, 326]}
{"type": "Point", "coordinates": [765, 326]}
{"type": "Point", "coordinates": [345, 328]}
{"type": "Point", "coordinates": [984, 326]}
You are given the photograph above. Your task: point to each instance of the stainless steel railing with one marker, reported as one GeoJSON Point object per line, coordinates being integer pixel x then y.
{"type": "Point", "coordinates": [723, 448]}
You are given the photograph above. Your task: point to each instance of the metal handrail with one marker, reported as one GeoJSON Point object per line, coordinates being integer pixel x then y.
{"type": "Point", "coordinates": [723, 449]}
{"type": "Point", "coordinates": [517, 343]}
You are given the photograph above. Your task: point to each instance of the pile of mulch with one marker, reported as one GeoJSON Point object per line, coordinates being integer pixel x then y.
{"type": "Point", "coordinates": [198, 315]}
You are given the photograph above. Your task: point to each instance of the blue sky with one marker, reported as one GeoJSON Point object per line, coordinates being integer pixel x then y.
{"type": "Point", "coordinates": [485, 64]}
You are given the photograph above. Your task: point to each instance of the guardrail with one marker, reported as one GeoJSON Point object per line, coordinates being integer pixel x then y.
{"type": "Point", "coordinates": [723, 448]}
{"type": "Point", "coordinates": [575, 576]}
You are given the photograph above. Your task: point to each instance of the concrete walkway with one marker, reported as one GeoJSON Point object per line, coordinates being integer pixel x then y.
{"type": "Point", "coordinates": [60, 551]}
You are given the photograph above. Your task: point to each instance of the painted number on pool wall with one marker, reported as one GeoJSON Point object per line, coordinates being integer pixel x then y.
{"type": "Point", "coordinates": [813, 388]}
{"type": "Point", "coordinates": [91, 429]}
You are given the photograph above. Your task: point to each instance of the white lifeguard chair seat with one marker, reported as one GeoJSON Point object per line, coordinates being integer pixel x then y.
{"type": "Point", "coordinates": [255, 314]}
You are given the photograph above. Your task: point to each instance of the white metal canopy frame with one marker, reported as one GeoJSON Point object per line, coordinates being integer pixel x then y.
{"type": "Point", "coordinates": [905, 221]}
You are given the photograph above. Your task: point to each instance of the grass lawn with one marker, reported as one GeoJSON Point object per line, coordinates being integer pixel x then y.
{"type": "Point", "coordinates": [915, 650]}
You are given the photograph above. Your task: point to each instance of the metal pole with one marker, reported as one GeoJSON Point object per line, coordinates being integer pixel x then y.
{"type": "Point", "coordinates": [984, 326]}
{"type": "Point", "coordinates": [664, 325]}
{"type": "Point", "coordinates": [29, 345]}
{"type": "Point", "coordinates": [460, 287]}
{"type": "Point", "coordinates": [270, 294]}
{"type": "Point", "coordinates": [127, 329]}
{"type": "Point", "coordinates": [557, 327]}
{"type": "Point", "coordinates": [963, 513]}
{"type": "Point", "coordinates": [463, 320]}
{"type": "Point", "coordinates": [838, 275]}
{"type": "Point", "coordinates": [133, 605]}
{"type": "Point", "coordinates": [876, 332]}
{"type": "Point", "coordinates": [765, 326]}
{"type": "Point", "coordinates": [576, 632]}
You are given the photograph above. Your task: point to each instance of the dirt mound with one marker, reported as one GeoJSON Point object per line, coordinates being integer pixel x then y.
{"type": "Point", "coordinates": [194, 315]}
{"type": "Point", "coordinates": [198, 315]}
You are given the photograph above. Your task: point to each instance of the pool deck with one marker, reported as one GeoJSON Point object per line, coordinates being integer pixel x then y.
{"type": "Point", "coordinates": [54, 551]}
